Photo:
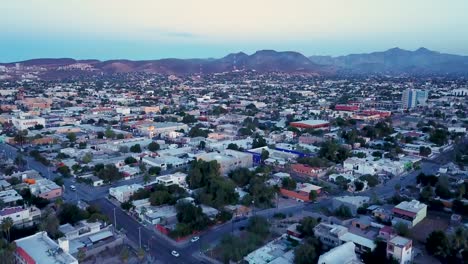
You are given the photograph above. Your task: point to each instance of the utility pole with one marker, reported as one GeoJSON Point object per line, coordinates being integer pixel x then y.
{"type": "Point", "coordinates": [139, 234]}
{"type": "Point", "coordinates": [115, 221]}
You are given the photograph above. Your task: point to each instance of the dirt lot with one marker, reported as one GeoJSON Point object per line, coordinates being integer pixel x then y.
{"type": "Point", "coordinates": [429, 224]}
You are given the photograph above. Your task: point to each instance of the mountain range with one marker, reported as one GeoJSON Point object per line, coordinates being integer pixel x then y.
{"type": "Point", "coordinates": [392, 61]}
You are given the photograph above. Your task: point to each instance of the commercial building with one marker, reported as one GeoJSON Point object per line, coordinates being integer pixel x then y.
{"type": "Point", "coordinates": [401, 249]}
{"type": "Point", "coordinates": [228, 160]}
{"type": "Point", "coordinates": [24, 121]}
{"type": "Point", "coordinates": [409, 213]}
{"type": "Point", "coordinates": [412, 98]}
{"type": "Point", "coordinates": [123, 193]}
{"type": "Point", "coordinates": [314, 124]}
{"type": "Point", "coordinates": [41, 249]}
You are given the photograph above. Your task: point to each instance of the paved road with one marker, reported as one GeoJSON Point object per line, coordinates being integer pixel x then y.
{"type": "Point", "coordinates": [160, 248]}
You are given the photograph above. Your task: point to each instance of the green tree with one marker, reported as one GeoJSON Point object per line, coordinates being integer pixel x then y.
{"type": "Point", "coordinates": [288, 183]}
{"type": "Point", "coordinates": [258, 142]}
{"type": "Point", "coordinates": [425, 151]}
{"type": "Point", "coordinates": [130, 160]}
{"type": "Point", "coordinates": [87, 158]}
{"type": "Point", "coordinates": [124, 254]}
{"type": "Point", "coordinates": [109, 133]}
{"type": "Point", "coordinates": [402, 229]}
{"type": "Point", "coordinates": [343, 211]}
{"type": "Point", "coordinates": [305, 253]}
{"type": "Point", "coordinates": [141, 254]}
{"type": "Point", "coordinates": [306, 226]}
{"type": "Point", "coordinates": [135, 148]}
{"type": "Point", "coordinates": [64, 170]}
{"type": "Point", "coordinates": [50, 224]}
{"type": "Point", "coordinates": [7, 224]}
{"type": "Point", "coordinates": [438, 244]}
{"type": "Point", "coordinates": [332, 151]}
{"type": "Point", "coordinates": [233, 146]}
{"type": "Point", "coordinates": [71, 137]}
{"type": "Point", "coordinates": [313, 195]}
{"type": "Point", "coordinates": [81, 255]}
{"type": "Point", "coordinates": [265, 154]}
{"type": "Point", "coordinates": [153, 146]}
{"type": "Point", "coordinates": [154, 170]}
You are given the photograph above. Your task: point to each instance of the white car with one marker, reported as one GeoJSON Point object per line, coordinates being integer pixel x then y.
{"type": "Point", "coordinates": [195, 239]}
{"type": "Point", "coordinates": [175, 253]}
{"type": "Point", "coordinates": [73, 187]}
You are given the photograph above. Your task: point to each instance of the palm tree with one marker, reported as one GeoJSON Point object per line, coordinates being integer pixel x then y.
{"type": "Point", "coordinates": [141, 254]}
{"type": "Point", "coordinates": [81, 255]}
{"type": "Point", "coordinates": [6, 225]}
{"type": "Point", "coordinates": [124, 254]}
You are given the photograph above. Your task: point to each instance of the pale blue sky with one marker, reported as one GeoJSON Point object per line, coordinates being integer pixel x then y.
{"type": "Point", "coordinates": [151, 29]}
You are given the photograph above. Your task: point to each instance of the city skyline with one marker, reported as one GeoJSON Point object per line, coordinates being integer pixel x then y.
{"type": "Point", "coordinates": [203, 29]}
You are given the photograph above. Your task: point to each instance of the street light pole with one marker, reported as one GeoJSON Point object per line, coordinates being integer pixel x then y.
{"type": "Point", "coordinates": [115, 221]}
{"type": "Point", "coordinates": [139, 234]}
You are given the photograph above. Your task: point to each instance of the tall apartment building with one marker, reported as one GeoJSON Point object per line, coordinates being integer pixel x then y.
{"type": "Point", "coordinates": [414, 97]}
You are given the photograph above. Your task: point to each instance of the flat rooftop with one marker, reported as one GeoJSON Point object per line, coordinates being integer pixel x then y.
{"type": "Point", "coordinates": [43, 250]}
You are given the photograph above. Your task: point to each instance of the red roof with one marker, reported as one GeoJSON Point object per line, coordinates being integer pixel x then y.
{"type": "Point", "coordinates": [404, 212]}
{"type": "Point", "coordinates": [25, 256]}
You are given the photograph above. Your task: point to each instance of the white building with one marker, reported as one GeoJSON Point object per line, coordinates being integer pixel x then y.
{"type": "Point", "coordinates": [410, 213]}
{"type": "Point", "coordinates": [332, 235]}
{"type": "Point", "coordinates": [414, 97]}
{"type": "Point", "coordinates": [171, 179]}
{"type": "Point", "coordinates": [27, 121]}
{"type": "Point", "coordinates": [344, 253]}
{"type": "Point", "coordinates": [10, 196]}
{"type": "Point", "coordinates": [165, 162]}
{"type": "Point", "coordinates": [228, 160]}
{"type": "Point", "coordinates": [400, 248]}
{"type": "Point", "coordinates": [123, 193]}
{"type": "Point", "coordinates": [41, 249]}
{"type": "Point", "coordinates": [276, 251]}
{"type": "Point", "coordinates": [20, 215]}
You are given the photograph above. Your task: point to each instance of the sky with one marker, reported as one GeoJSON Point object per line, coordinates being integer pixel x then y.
{"type": "Point", "coordinates": [153, 29]}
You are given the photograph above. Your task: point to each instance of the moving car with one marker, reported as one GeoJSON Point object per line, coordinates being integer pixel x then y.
{"type": "Point", "coordinates": [175, 253]}
{"type": "Point", "coordinates": [73, 187]}
{"type": "Point", "coordinates": [195, 239]}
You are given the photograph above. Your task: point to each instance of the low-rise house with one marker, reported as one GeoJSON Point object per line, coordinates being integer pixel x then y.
{"type": "Point", "coordinates": [401, 249]}
{"type": "Point", "coordinates": [352, 202]}
{"type": "Point", "coordinates": [307, 170]}
{"type": "Point", "coordinates": [332, 235]}
{"type": "Point", "coordinates": [10, 197]}
{"type": "Point", "coordinates": [20, 215]}
{"type": "Point", "coordinates": [46, 189]}
{"type": "Point", "coordinates": [302, 192]}
{"type": "Point", "coordinates": [409, 213]}
{"type": "Point", "coordinates": [177, 178]}
{"type": "Point", "coordinates": [123, 193]}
